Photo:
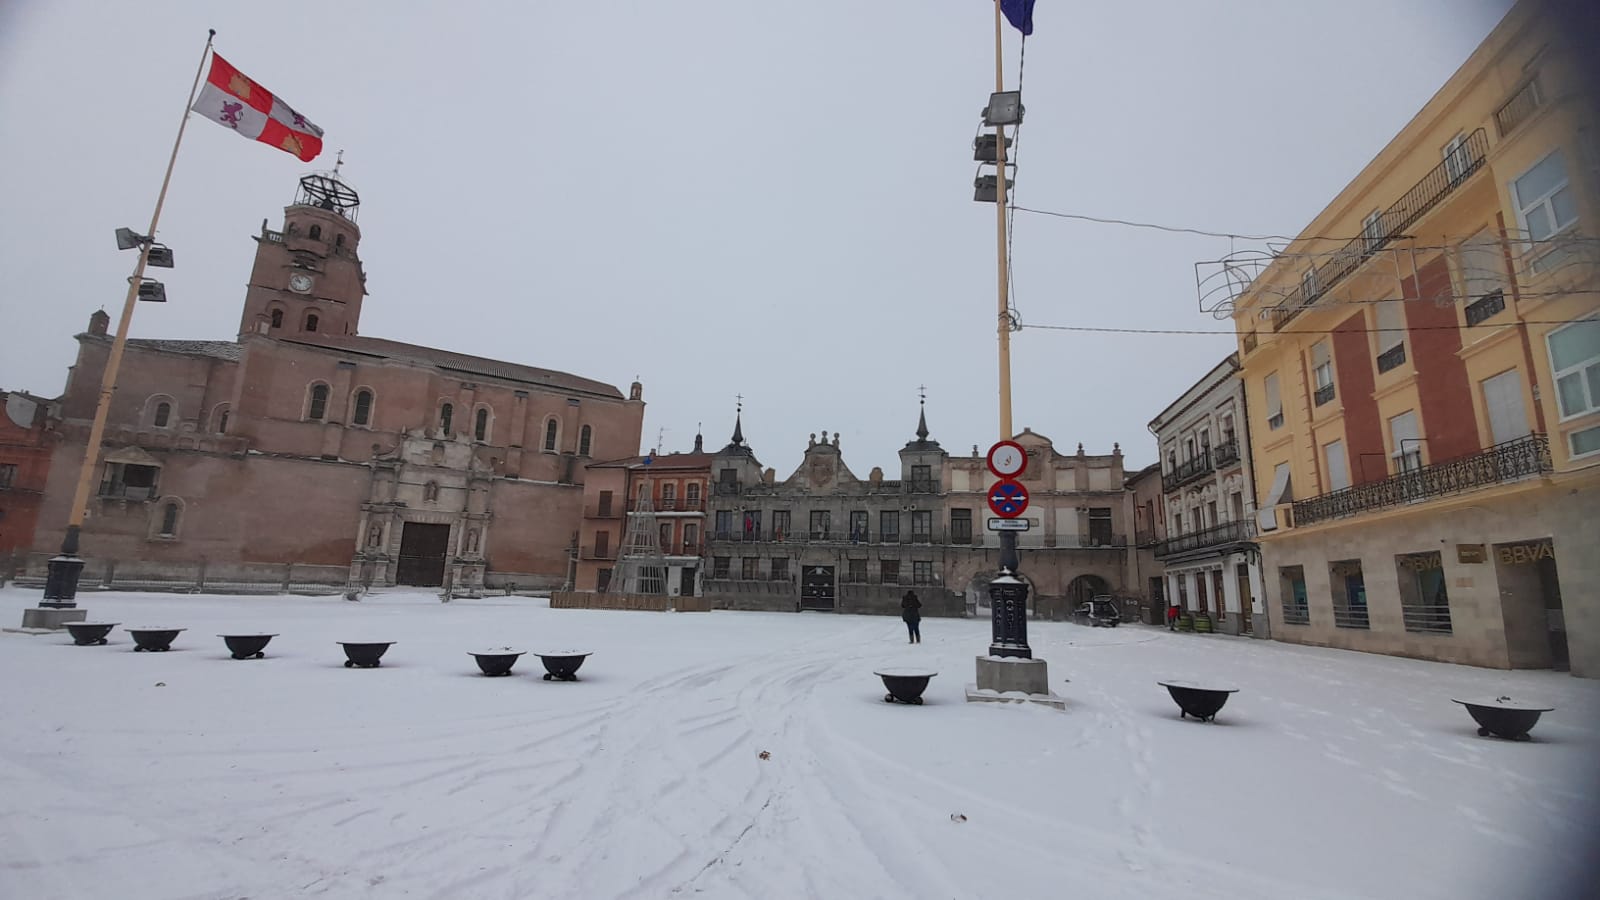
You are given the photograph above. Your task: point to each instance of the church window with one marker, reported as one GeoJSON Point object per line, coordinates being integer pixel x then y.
{"type": "Point", "coordinates": [480, 427]}
{"type": "Point", "coordinates": [169, 520]}
{"type": "Point", "coordinates": [446, 412]}
{"type": "Point", "coordinates": [163, 415]}
{"type": "Point", "coordinates": [363, 412]}
{"type": "Point", "coordinates": [318, 407]}
{"type": "Point", "coordinates": [316, 232]}
{"type": "Point", "coordinates": [550, 429]}
{"type": "Point", "coordinates": [585, 438]}
{"type": "Point", "coordinates": [277, 318]}
{"type": "Point", "coordinates": [338, 240]}
{"type": "Point", "coordinates": [311, 322]}
{"type": "Point", "coordinates": [129, 481]}
{"type": "Point", "coordinates": [222, 423]}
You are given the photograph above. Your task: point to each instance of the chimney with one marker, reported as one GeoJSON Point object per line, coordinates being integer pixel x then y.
{"type": "Point", "coordinates": [99, 321]}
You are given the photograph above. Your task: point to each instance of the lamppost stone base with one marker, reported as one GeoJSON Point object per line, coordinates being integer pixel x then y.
{"type": "Point", "coordinates": [52, 619]}
{"type": "Point", "coordinates": [1010, 679]}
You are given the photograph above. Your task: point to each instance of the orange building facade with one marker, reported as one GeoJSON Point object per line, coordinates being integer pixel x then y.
{"type": "Point", "coordinates": [1424, 393]}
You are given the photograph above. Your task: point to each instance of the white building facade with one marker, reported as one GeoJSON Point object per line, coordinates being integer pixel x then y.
{"type": "Point", "coordinates": [1212, 563]}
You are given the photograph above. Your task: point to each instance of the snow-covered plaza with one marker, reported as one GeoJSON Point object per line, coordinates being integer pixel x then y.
{"type": "Point", "coordinates": [734, 754]}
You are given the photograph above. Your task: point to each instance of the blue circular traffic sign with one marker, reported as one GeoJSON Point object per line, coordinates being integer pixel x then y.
{"type": "Point", "coordinates": [1008, 499]}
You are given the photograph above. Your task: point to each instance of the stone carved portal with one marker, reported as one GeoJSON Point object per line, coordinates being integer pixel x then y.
{"type": "Point", "coordinates": [428, 484]}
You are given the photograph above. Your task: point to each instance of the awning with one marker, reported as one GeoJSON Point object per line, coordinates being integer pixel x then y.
{"type": "Point", "coordinates": [1267, 517]}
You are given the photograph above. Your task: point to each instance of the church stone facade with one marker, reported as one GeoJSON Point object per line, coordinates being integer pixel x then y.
{"type": "Point", "coordinates": [305, 451]}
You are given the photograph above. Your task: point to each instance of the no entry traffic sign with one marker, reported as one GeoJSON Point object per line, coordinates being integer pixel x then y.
{"type": "Point", "coordinates": [1007, 459]}
{"type": "Point", "coordinates": [1008, 499]}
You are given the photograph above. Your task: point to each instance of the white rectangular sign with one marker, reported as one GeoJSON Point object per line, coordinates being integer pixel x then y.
{"type": "Point", "coordinates": [1008, 524]}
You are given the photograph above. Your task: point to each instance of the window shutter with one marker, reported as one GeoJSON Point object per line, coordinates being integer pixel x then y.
{"type": "Point", "coordinates": [1274, 403]}
{"type": "Point", "coordinates": [1502, 398]}
{"type": "Point", "coordinates": [1391, 325]}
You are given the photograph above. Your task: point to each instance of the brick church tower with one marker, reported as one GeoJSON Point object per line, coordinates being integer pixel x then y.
{"type": "Point", "coordinates": [307, 277]}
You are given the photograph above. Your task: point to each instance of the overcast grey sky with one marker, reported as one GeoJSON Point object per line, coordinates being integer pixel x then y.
{"type": "Point", "coordinates": [771, 199]}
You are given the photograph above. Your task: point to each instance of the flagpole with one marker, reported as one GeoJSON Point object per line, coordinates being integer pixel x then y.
{"type": "Point", "coordinates": [1004, 320]}
{"type": "Point", "coordinates": [61, 586]}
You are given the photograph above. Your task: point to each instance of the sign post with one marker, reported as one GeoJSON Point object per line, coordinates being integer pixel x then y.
{"type": "Point", "coordinates": [1008, 594]}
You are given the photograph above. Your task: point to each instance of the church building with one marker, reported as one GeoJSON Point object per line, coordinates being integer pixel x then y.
{"type": "Point", "coordinates": [306, 452]}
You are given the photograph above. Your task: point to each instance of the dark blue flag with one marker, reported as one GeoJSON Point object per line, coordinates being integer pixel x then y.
{"type": "Point", "coordinates": [1019, 13]}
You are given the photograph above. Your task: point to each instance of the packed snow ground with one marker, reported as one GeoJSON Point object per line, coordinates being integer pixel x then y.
{"type": "Point", "coordinates": [188, 774]}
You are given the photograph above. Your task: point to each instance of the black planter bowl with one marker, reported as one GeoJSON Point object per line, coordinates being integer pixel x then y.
{"type": "Point", "coordinates": [905, 685]}
{"type": "Point", "coordinates": [1199, 700]}
{"type": "Point", "coordinates": [153, 639]}
{"type": "Point", "coordinates": [86, 633]}
{"type": "Point", "coordinates": [562, 665]}
{"type": "Point", "coordinates": [497, 661]}
{"type": "Point", "coordinates": [364, 654]}
{"type": "Point", "coordinates": [1504, 717]}
{"type": "Point", "coordinates": [247, 646]}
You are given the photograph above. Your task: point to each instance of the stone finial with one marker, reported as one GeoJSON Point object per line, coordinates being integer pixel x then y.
{"type": "Point", "coordinates": [824, 436]}
{"type": "Point", "coordinates": [836, 439]}
{"type": "Point", "coordinates": [974, 451]}
{"type": "Point", "coordinates": [1116, 448]}
{"type": "Point", "coordinates": [1080, 448]}
{"type": "Point", "coordinates": [812, 442]}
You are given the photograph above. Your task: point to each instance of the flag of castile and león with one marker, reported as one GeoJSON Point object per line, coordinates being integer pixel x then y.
{"type": "Point", "coordinates": [232, 100]}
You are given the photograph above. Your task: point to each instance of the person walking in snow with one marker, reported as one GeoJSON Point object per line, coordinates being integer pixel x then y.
{"type": "Point", "coordinates": [911, 612]}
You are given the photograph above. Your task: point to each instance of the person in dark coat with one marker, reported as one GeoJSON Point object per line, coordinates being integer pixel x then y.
{"type": "Point", "coordinates": [911, 612]}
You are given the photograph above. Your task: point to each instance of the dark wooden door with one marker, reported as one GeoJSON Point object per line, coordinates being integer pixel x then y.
{"type": "Point", "coordinates": [422, 552]}
{"type": "Point", "coordinates": [686, 582]}
{"type": "Point", "coordinates": [816, 587]}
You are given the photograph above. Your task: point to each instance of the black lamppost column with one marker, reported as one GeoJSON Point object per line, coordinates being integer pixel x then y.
{"type": "Point", "coordinates": [1008, 605]}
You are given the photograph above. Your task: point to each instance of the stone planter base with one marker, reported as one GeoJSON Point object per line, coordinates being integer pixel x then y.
{"type": "Point", "coordinates": [53, 619]}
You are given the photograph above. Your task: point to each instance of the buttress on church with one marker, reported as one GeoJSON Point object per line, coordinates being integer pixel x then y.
{"type": "Point", "coordinates": [304, 451]}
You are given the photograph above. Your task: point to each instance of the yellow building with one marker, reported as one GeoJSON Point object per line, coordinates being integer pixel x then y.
{"type": "Point", "coordinates": [1422, 374]}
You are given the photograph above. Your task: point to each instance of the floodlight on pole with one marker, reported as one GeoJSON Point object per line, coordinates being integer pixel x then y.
{"type": "Point", "coordinates": [1005, 108]}
{"type": "Point", "coordinates": [128, 239]}
{"type": "Point", "coordinates": [160, 256]}
{"type": "Point", "coordinates": [152, 291]}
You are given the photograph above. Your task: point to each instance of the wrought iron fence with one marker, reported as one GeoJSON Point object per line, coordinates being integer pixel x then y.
{"type": "Point", "coordinates": [1429, 619]}
{"type": "Point", "coordinates": [1462, 163]}
{"type": "Point", "coordinates": [1508, 461]}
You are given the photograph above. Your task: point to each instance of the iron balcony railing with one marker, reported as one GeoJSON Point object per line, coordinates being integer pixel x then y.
{"type": "Point", "coordinates": [1484, 308]}
{"type": "Point", "coordinates": [1296, 613]}
{"type": "Point", "coordinates": [670, 504]}
{"type": "Point", "coordinates": [599, 552]}
{"type": "Point", "coordinates": [1214, 536]}
{"type": "Point", "coordinates": [1226, 453]}
{"type": "Point", "coordinates": [1462, 163]}
{"type": "Point", "coordinates": [1509, 461]}
{"type": "Point", "coordinates": [1323, 395]}
{"type": "Point", "coordinates": [1519, 107]}
{"type": "Point", "coordinates": [778, 535]}
{"type": "Point", "coordinates": [1392, 357]}
{"type": "Point", "coordinates": [1187, 472]}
